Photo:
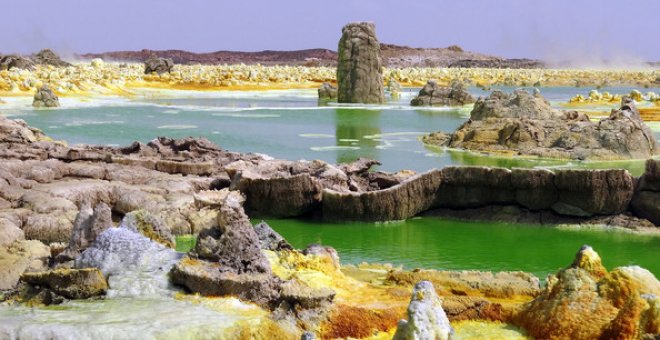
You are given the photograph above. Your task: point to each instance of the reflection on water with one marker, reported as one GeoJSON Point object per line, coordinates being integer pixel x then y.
{"type": "Point", "coordinates": [351, 127]}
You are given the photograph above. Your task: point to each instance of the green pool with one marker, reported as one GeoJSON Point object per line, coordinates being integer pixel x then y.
{"type": "Point", "coordinates": [445, 244]}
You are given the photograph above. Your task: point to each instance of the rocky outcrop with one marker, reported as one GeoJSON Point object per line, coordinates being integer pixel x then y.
{"type": "Point", "coordinates": [407, 199]}
{"type": "Point", "coordinates": [45, 97]}
{"type": "Point", "coordinates": [158, 65]}
{"type": "Point", "coordinates": [87, 226]}
{"type": "Point", "coordinates": [229, 260]}
{"type": "Point", "coordinates": [524, 124]}
{"type": "Point", "coordinates": [48, 57]}
{"type": "Point", "coordinates": [426, 318]}
{"type": "Point", "coordinates": [359, 74]}
{"type": "Point", "coordinates": [19, 257]}
{"type": "Point", "coordinates": [646, 200]}
{"type": "Point", "coordinates": [150, 226]}
{"type": "Point", "coordinates": [584, 301]}
{"type": "Point", "coordinates": [269, 239]}
{"type": "Point", "coordinates": [8, 62]}
{"type": "Point", "coordinates": [327, 92]}
{"type": "Point", "coordinates": [69, 283]}
{"type": "Point", "coordinates": [434, 95]}
{"type": "Point", "coordinates": [579, 193]}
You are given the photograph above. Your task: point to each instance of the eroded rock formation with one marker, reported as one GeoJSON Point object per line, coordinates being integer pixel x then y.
{"type": "Point", "coordinates": [646, 201]}
{"type": "Point", "coordinates": [359, 74]}
{"type": "Point", "coordinates": [45, 97]}
{"type": "Point", "coordinates": [8, 62]}
{"type": "Point", "coordinates": [585, 301]}
{"type": "Point", "coordinates": [434, 95]}
{"type": "Point", "coordinates": [48, 57]}
{"type": "Point", "coordinates": [227, 260]}
{"type": "Point", "coordinates": [524, 124]}
{"type": "Point", "coordinates": [426, 318]}
{"type": "Point", "coordinates": [158, 65]}
{"type": "Point", "coordinates": [327, 92]}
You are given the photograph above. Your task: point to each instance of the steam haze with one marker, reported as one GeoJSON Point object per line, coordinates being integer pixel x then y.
{"type": "Point", "coordinates": [578, 33]}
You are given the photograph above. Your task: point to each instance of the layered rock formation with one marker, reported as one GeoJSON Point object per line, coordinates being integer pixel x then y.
{"type": "Point", "coordinates": [585, 301]}
{"type": "Point", "coordinates": [359, 74]}
{"type": "Point", "coordinates": [525, 124]}
{"type": "Point", "coordinates": [434, 95]}
{"type": "Point", "coordinates": [158, 65]}
{"type": "Point", "coordinates": [646, 201]}
{"type": "Point", "coordinates": [45, 97]}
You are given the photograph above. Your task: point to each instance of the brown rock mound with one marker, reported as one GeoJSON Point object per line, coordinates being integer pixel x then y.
{"type": "Point", "coordinates": [525, 124]}
{"type": "Point", "coordinates": [434, 95]}
{"type": "Point", "coordinates": [584, 301]}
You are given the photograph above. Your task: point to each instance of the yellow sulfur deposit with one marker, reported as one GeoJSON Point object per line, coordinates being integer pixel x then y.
{"type": "Point", "coordinates": [108, 78]}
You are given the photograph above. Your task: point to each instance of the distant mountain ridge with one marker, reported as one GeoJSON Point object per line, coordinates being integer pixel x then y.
{"type": "Point", "coordinates": [392, 55]}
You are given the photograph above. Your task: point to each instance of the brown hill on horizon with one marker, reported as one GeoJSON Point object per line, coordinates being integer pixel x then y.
{"type": "Point", "coordinates": [393, 56]}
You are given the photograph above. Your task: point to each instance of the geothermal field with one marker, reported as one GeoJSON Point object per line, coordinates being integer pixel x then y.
{"type": "Point", "coordinates": [369, 191]}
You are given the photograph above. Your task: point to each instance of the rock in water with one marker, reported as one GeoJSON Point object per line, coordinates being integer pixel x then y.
{"type": "Point", "coordinates": [135, 265]}
{"type": "Point", "coordinates": [327, 92]}
{"type": "Point", "coordinates": [269, 239]}
{"type": "Point", "coordinates": [426, 318]}
{"type": "Point", "coordinates": [526, 124]}
{"type": "Point", "coordinates": [359, 73]}
{"type": "Point", "coordinates": [158, 65]}
{"type": "Point", "coordinates": [45, 97]}
{"type": "Point", "coordinates": [433, 95]}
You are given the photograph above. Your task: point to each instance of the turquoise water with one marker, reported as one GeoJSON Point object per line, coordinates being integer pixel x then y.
{"type": "Point", "coordinates": [289, 125]}
{"type": "Point", "coordinates": [433, 243]}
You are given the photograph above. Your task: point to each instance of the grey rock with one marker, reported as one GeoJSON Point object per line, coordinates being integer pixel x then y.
{"type": "Point", "coordinates": [359, 68]}
{"type": "Point", "coordinates": [8, 62]}
{"type": "Point", "coordinates": [88, 225]}
{"type": "Point", "coordinates": [48, 57]}
{"type": "Point", "coordinates": [269, 239]}
{"type": "Point", "coordinates": [45, 97]}
{"type": "Point", "coordinates": [327, 91]}
{"type": "Point", "coordinates": [433, 95]}
{"type": "Point", "coordinates": [158, 65]}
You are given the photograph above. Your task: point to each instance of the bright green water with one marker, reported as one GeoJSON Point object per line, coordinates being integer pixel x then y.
{"type": "Point", "coordinates": [441, 244]}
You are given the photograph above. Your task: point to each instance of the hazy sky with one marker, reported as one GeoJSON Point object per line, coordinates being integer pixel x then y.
{"type": "Point", "coordinates": [551, 30]}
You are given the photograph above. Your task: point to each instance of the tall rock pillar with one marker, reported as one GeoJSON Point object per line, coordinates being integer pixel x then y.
{"type": "Point", "coordinates": [359, 74]}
